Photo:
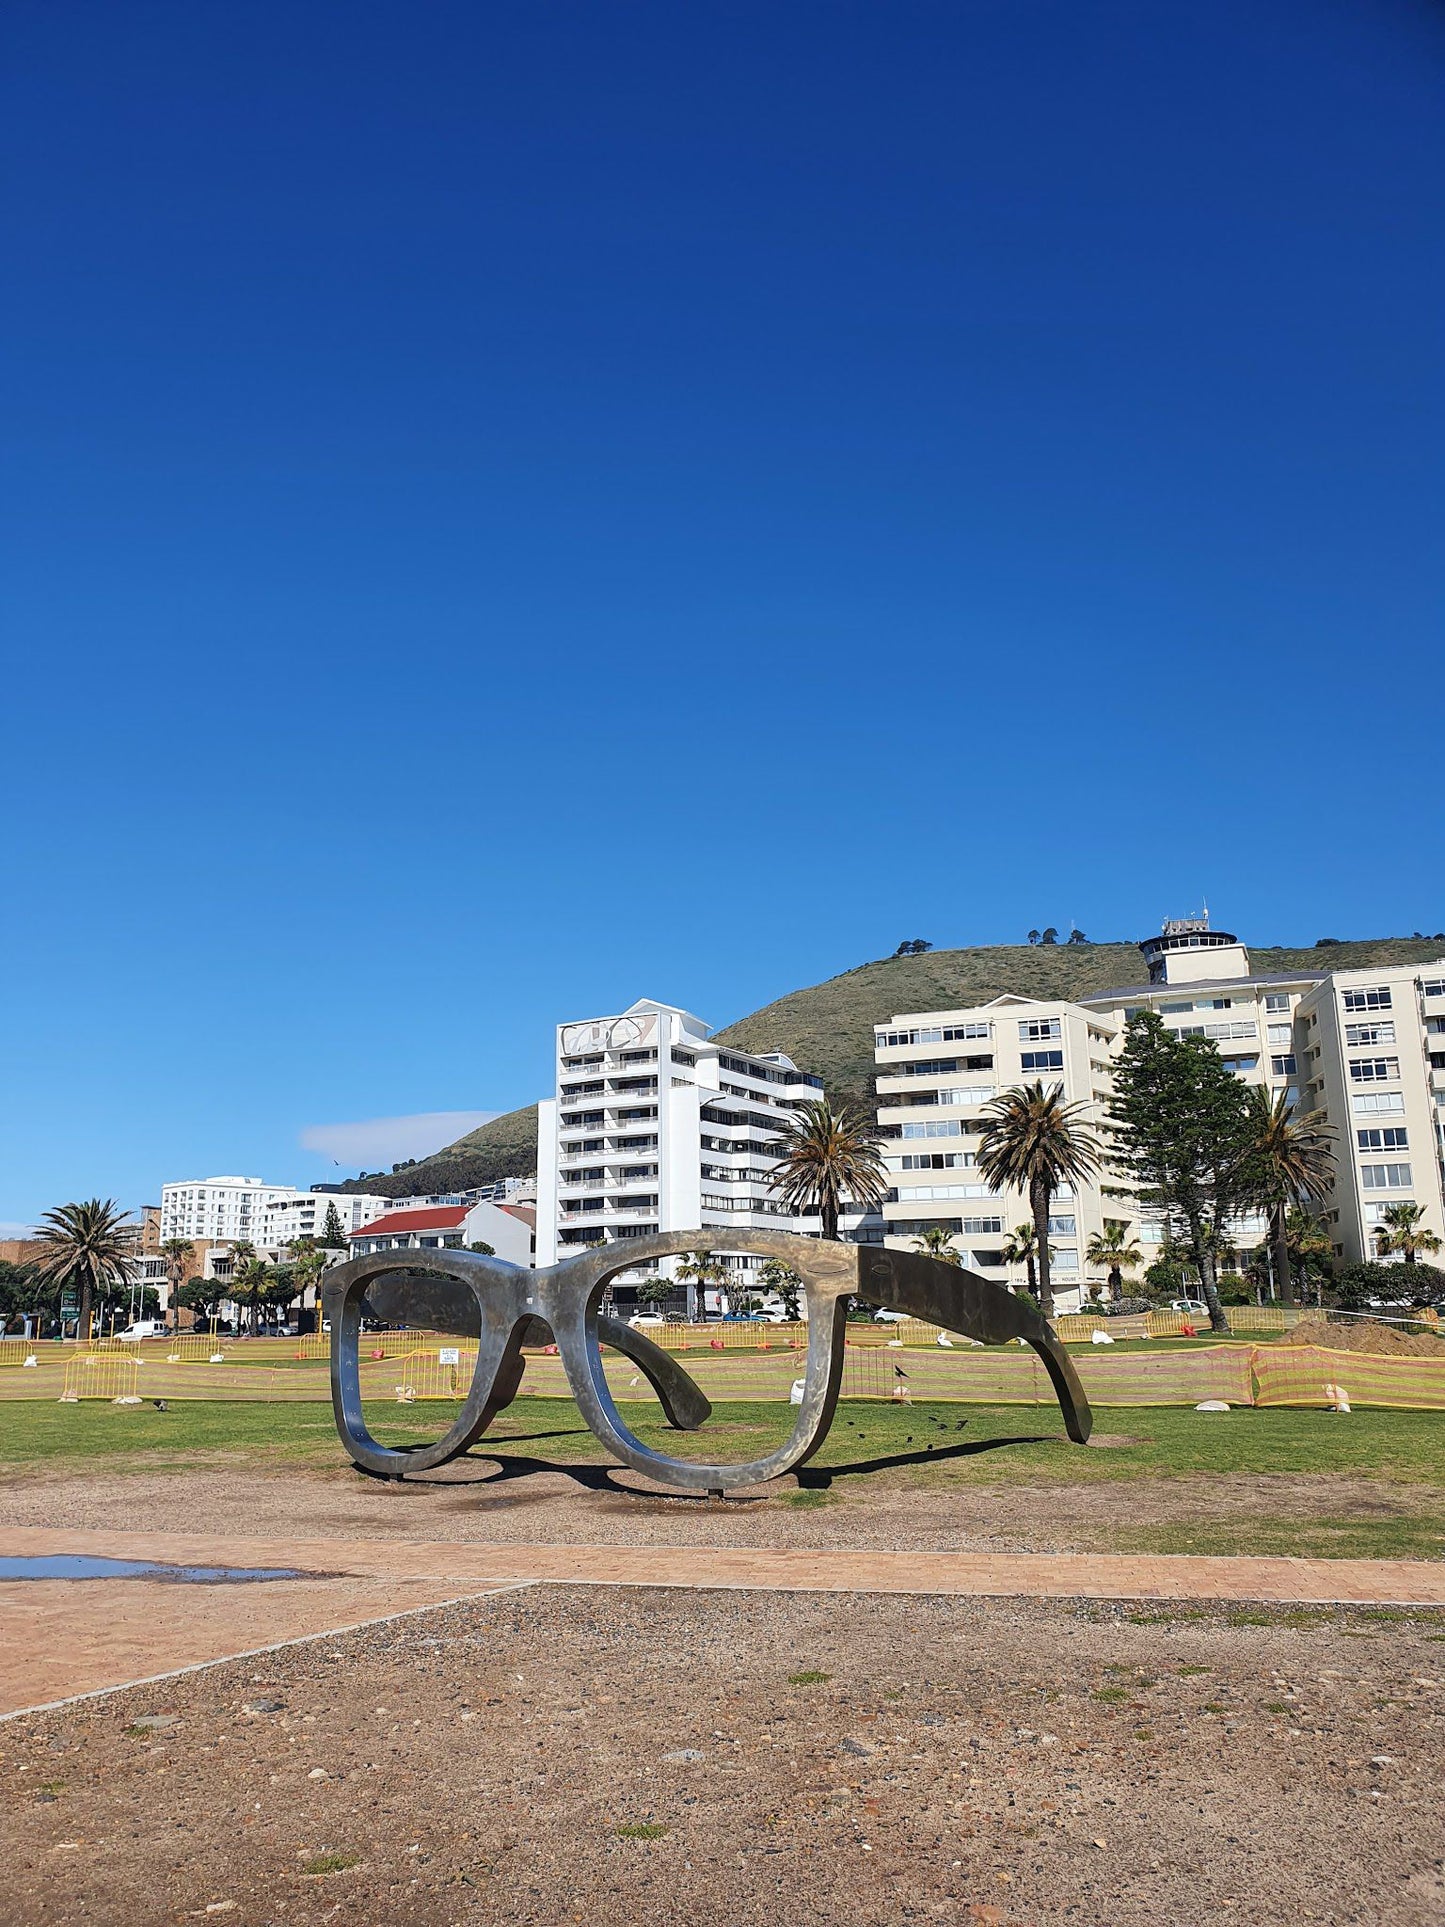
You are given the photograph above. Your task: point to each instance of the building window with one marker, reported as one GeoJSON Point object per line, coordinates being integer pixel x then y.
{"type": "Point", "coordinates": [1063, 1227]}
{"type": "Point", "coordinates": [1276, 1000]}
{"type": "Point", "coordinates": [1282, 1066]}
{"type": "Point", "coordinates": [1375, 1213]}
{"type": "Point", "coordinates": [1280, 1033]}
{"type": "Point", "coordinates": [1382, 1103]}
{"type": "Point", "coordinates": [1385, 1177]}
{"type": "Point", "coordinates": [1359, 1036]}
{"type": "Point", "coordinates": [1433, 987]}
{"type": "Point", "coordinates": [950, 1129]}
{"type": "Point", "coordinates": [1035, 1030]}
{"type": "Point", "coordinates": [1390, 1137]}
{"type": "Point", "coordinates": [1042, 1060]}
{"type": "Point", "coordinates": [1241, 1066]}
{"type": "Point", "coordinates": [1375, 1070]}
{"type": "Point", "coordinates": [1375, 998]}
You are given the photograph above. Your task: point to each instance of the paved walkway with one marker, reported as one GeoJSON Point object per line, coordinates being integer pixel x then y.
{"type": "Point", "coordinates": [63, 1638]}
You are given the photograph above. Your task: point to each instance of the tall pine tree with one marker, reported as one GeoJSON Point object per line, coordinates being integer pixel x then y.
{"type": "Point", "coordinates": [1181, 1138]}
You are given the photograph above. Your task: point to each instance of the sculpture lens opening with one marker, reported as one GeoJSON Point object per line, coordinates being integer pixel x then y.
{"type": "Point", "coordinates": [748, 1378]}
{"type": "Point", "coordinates": [416, 1357]}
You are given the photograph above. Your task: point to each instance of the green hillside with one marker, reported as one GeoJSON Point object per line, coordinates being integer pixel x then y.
{"type": "Point", "coordinates": [828, 1028]}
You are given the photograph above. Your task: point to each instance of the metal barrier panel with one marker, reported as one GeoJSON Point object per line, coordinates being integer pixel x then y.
{"type": "Point", "coordinates": [15, 1351]}
{"type": "Point", "coordinates": [189, 1349]}
{"type": "Point", "coordinates": [99, 1375]}
{"type": "Point", "coordinates": [431, 1372]}
{"type": "Point", "coordinates": [1262, 1318]}
{"type": "Point", "coordinates": [1313, 1375]}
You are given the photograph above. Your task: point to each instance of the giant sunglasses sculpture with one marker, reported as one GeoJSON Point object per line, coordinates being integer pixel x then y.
{"type": "Point", "coordinates": [502, 1307]}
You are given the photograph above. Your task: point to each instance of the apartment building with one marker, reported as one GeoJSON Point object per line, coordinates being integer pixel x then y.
{"type": "Point", "coordinates": [657, 1128]}
{"type": "Point", "coordinates": [937, 1071]}
{"type": "Point", "coordinates": [1367, 1047]}
{"type": "Point", "coordinates": [231, 1210]}
{"type": "Point", "coordinates": [1371, 1049]}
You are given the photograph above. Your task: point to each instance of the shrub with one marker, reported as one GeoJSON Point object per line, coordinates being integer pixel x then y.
{"type": "Point", "coordinates": [1234, 1290]}
{"type": "Point", "coordinates": [1127, 1307]}
{"type": "Point", "coordinates": [1356, 1285]}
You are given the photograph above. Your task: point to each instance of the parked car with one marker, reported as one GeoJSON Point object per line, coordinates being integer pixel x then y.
{"type": "Point", "coordinates": [1190, 1307]}
{"type": "Point", "coordinates": [142, 1328]}
{"type": "Point", "coordinates": [882, 1317]}
{"type": "Point", "coordinates": [647, 1318]}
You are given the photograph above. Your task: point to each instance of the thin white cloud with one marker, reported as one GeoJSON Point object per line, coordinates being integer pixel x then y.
{"type": "Point", "coordinates": [9, 1231]}
{"type": "Point", "coordinates": [378, 1142]}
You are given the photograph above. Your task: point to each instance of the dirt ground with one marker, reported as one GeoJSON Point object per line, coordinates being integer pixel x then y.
{"type": "Point", "coordinates": [629, 1756]}
{"type": "Point", "coordinates": [584, 1505]}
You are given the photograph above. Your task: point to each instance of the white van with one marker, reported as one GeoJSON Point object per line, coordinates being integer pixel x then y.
{"type": "Point", "coordinates": [145, 1328]}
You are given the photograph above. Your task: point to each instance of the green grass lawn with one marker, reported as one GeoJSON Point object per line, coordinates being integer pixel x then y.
{"type": "Point", "coordinates": [875, 1441]}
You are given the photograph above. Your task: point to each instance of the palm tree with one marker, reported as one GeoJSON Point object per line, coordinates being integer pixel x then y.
{"type": "Point", "coordinates": [701, 1269]}
{"type": "Point", "coordinates": [85, 1245]}
{"type": "Point", "coordinates": [179, 1254]}
{"type": "Point", "coordinates": [1033, 1142]}
{"type": "Point", "coordinates": [249, 1279]}
{"type": "Point", "coordinates": [1291, 1155]}
{"type": "Point", "coordinates": [937, 1241]}
{"type": "Point", "coordinates": [1021, 1247]}
{"type": "Point", "coordinates": [1115, 1249]}
{"type": "Point", "coordinates": [307, 1265]}
{"type": "Point", "coordinates": [1404, 1230]}
{"type": "Point", "coordinates": [826, 1157]}
{"type": "Point", "coordinates": [1310, 1248]}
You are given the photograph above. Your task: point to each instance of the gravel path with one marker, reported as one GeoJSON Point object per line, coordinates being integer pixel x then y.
{"type": "Point", "coordinates": [631, 1756]}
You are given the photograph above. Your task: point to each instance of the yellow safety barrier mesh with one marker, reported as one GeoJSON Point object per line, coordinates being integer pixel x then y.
{"type": "Point", "coordinates": [99, 1375]}
{"type": "Point", "coordinates": [241, 1383]}
{"type": "Point", "coordinates": [315, 1345]}
{"type": "Point", "coordinates": [107, 1345]}
{"type": "Point", "coordinates": [15, 1351]}
{"type": "Point", "coordinates": [1267, 1375]}
{"type": "Point", "coordinates": [1302, 1374]}
{"type": "Point", "coordinates": [1003, 1375]}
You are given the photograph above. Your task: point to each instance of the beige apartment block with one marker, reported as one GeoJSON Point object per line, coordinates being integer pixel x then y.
{"type": "Point", "coordinates": [937, 1070]}
{"type": "Point", "coordinates": [1367, 1047]}
{"type": "Point", "coordinates": [1371, 1045]}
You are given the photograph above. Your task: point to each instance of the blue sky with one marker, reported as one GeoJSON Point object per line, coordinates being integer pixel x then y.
{"type": "Point", "coordinates": [511, 508]}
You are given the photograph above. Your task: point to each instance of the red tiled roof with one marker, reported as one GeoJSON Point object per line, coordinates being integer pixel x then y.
{"type": "Point", "coordinates": [443, 1217]}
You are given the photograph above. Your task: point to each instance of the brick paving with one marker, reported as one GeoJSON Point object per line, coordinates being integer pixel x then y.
{"type": "Point", "coordinates": [65, 1638]}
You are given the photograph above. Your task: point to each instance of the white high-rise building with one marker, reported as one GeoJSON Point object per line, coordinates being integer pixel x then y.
{"type": "Point", "coordinates": [1365, 1046]}
{"type": "Point", "coordinates": [233, 1210]}
{"type": "Point", "coordinates": [657, 1128]}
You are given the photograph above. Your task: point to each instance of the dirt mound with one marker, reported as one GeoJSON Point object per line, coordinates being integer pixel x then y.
{"type": "Point", "coordinates": [1366, 1335]}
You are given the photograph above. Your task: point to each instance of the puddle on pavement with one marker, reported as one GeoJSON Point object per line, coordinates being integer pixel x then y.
{"type": "Point", "coordinates": [67, 1565]}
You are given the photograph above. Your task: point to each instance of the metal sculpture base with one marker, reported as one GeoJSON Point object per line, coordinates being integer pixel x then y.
{"type": "Point", "coordinates": [504, 1307]}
